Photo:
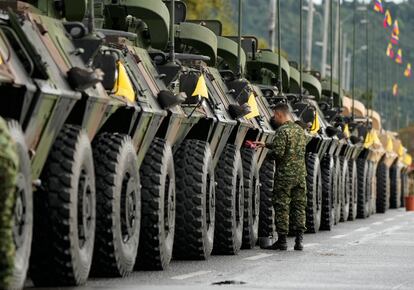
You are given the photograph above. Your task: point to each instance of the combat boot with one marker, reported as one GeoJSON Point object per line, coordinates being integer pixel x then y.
{"type": "Point", "coordinates": [299, 242]}
{"type": "Point", "coordinates": [280, 244]}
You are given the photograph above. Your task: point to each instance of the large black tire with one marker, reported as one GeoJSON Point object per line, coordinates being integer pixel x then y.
{"type": "Point", "coordinates": [395, 187]}
{"type": "Point", "coordinates": [118, 205]}
{"type": "Point", "coordinates": [314, 193]}
{"type": "Point", "coordinates": [362, 178]}
{"type": "Point", "coordinates": [251, 198]}
{"type": "Point", "coordinates": [345, 187]}
{"type": "Point", "coordinates": [195, 207]}
{"type": "Point", "coordinates": [64, 219]}
{"type": "Point", "coordinates": [229, 202]}
{"type": "Point", "coordinates": [373, 192]}
{"type": "Point", "coordinates": [23, 209]}
{"type": "Point", "coordinates": [338, 189]}
{"type": "Point", "coordinates": [383, 187]}
{"type": "Point", "coordinates": [267, 227]}
{"type": "Point", "coordinates": [328, 179]}
{"type": "Point", "coordinates": [158, 207]}
{"type": "Point", "coordinates": [404, 187]}
{"type": "Point", "coordinates": [353, 189]}
{"type": "Point", "coordinates": [368, 183]}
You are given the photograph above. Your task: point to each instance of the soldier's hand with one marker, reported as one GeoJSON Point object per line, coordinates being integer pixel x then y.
{"type": "Point", "coordinates": [259, 144]}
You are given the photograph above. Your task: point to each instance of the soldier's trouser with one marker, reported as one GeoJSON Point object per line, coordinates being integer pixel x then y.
{"type": "Point", "coordinates": [289, 199]}
{"type": "Point", "coordinates": [8, 173]}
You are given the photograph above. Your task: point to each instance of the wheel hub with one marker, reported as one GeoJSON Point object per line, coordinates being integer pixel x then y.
{"type": "Point", "coordinates": [128, 213]}
{"type": "Point", "coordinates": [85, 210]}
{"type": "Point", "coordinates": [19, 212]}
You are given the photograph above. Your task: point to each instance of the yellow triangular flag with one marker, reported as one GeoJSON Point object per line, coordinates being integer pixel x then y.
{"type": "Point", "coordinates": [201, 88]}
{"type": "Point", "coordinates": [389, 146]}
{"type": "Point", "coordinates": [315, 125]}
{"type": "Point", "coordinates": [123, 86]}
{"type": "Point", "coordinates": [408, 159]}
{"type": "Point", "coordinates": [346, 131]}
{"type": "Point", "coordinates": [253, 107]}
{"type": "Point", "coordinates": [369, 140]}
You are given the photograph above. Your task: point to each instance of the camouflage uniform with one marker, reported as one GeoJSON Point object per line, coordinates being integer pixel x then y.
{"type": "Point", "coordinates": [288, 149]}
{"type": "Point", "coordinates": [8, 172]}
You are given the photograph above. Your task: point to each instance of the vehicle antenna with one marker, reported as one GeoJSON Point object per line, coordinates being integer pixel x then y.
{"type": "Point", "coordinates": [279, 49]}
{"type": "Point", "coordinates": [239, 38]}
{"type": "Point", "coordinates": [172, 30]}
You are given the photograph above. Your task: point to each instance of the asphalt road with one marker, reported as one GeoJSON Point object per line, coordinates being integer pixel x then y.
{"type": "Point", "coordinates": [376, 253]}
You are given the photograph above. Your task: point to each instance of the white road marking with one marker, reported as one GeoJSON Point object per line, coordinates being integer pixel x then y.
{"type": "Point", "coordinates": [389, 219]}
{"type": "Point", "coordinates": [372, 236]}
{"type": "Point", "coordinates": [338, 236]}
{"type": "Point", "coordinates": [363, 229]}
{"type": "Point", "coordinates": [258, 257]}
{"type": "Point", "coordinates": [310, 245]}
{"type": "Point", "coordinates": [190, 275]}
{"type": "Point", "coordinates": [377, 223]}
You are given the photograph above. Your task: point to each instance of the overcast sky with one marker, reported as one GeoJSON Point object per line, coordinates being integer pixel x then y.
{"type": "Point", "coordinates": [395, 1]}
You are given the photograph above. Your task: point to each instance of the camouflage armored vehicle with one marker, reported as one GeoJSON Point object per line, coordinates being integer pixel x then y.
{"type": "Point", "coordinates": [385, 157]}
{"type": "Point", "coordinates": [121, 125]}
{"type": "Point", "coordinates": [41, 98]}
{"type": "Point", "coordinates": [262, 129]}
{"type": "Point", "coordinates": [367, 159]}
{"type": "Point", "coordinates": [395, 172]}
{"type": "Point", "coordinates": [263, 68]}
{"type": "Point", "coordinates": [407, 161]}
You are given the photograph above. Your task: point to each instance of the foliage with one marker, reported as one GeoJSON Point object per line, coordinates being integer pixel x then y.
{"type": "Point", "coordinates": [213, 9]}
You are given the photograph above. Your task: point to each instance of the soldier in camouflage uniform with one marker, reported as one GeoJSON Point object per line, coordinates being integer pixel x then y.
{"type": "Point", "coordinates": [289, 199]}
{"type": "Point", "coordinates": [8, 172]}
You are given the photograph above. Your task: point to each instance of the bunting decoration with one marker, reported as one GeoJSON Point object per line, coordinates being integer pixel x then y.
{"type": "Point", "coordinates": [394, 39]}
{"type": "Point", "coordinates": [387, 19]}
{"type": "Point", "coordinates": [390, 51]}
{"type": "Point", "coordinates": [378, 6]}
{"type": "Point", "coordinates": [407, 72]}
{"type": "Point", "coordinates": [395, 90]}
{"type": "Point", "coordinates": [395, 29]}
{"type": "Point", "coordinates": [398, 58]}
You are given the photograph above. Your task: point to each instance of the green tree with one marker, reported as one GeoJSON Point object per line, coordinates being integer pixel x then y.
{"type": "Point", "coordinates": [213, 9]}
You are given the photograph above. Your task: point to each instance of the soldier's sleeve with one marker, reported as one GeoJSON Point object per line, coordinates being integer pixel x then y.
{"type": "Point", "coordinates": [278, 146]}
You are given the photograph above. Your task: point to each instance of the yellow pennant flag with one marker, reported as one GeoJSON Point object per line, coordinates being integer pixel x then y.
{"type": "Point", "coordinates": [315, 125]}
{"type": "Point", "coordinates": [400, 150]}
{"type": "Point", "coordinates": [253, 106]}
{"type": "Point", "coordinates": [346, 131]}
{"type": "Point", "coordinates": [389, 146]}
{"type": "Point", "coordinates": [201, 88]}
{"type": "Point", "coordinates": [369, 140]}
{"type": "Point", "coordinates": [408, 159]}
{"type": "Point", "coordinates": [123, 86]}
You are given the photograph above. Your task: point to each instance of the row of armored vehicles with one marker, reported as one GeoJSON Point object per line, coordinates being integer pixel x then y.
{"type": "Point", "coordinates": [134, 128]}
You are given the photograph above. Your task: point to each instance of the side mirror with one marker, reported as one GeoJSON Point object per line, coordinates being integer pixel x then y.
{"type": "Point", "coordinates": [107, 63]}
{"type": "Point", "coordinates": [168, 100]}
{"type": "Point", "coordinates": [308, 115]}
{"type": "Point", "coordinates": [331, 131]}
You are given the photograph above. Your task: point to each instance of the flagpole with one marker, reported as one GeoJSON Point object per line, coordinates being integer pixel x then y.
{"type": "Point", "coordinates": [331, 55]}
{"type": "Point", "coordinates": [300, 48]}
{"type": "Point", "coordinates": [353, 60]}
{"type": "Point", "coordinates": [339, 58]}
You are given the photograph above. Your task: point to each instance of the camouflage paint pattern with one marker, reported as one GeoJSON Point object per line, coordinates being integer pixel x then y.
{"type": "Point", "coordinates": [288, 149]}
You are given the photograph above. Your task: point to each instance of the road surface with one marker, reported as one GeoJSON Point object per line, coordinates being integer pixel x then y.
{"type": "Point", "coordinates": [376, 253]}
